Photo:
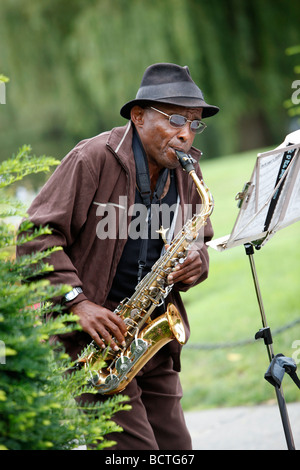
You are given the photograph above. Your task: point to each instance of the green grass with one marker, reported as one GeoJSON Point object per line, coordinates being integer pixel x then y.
{"type": "Point", "coordinates": [224, 309]}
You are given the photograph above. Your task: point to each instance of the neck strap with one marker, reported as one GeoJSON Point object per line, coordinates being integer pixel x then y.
{"type": "Point", "coordinates": [143, 183]}
{"type": "Point", "coordinates": [142, 173]}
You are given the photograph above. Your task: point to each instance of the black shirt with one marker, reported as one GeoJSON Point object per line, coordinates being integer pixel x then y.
{"type": "Point", "coordinates": [126, 277]}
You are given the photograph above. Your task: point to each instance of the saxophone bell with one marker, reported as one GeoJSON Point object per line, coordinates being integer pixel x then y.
{"type": "Point", "coordinates": [109, 380]}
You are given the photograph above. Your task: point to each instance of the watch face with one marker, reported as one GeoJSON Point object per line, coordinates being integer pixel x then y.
{"type": "Point", "coordinates": [69, 296]}
{"type": "Point", "coordinates": [73, 294]}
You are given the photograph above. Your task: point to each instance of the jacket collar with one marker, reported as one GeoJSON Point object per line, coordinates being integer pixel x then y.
{"type": "Point", "coordinates": [120, 142]}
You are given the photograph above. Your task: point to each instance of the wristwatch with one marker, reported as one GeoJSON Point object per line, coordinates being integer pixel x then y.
{"type": "Point", "coordinates": [73, 294]}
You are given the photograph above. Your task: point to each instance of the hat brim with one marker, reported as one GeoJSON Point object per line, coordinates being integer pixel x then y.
{"type": "Point", "coordinates": [208, 110]}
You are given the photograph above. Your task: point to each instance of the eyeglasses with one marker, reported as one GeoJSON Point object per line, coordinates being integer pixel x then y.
{"type": "Point", "coordinates": [178, 121]}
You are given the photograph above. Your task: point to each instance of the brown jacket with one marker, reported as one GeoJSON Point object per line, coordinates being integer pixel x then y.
{"type": "Point", "coordinates": [97, 171]}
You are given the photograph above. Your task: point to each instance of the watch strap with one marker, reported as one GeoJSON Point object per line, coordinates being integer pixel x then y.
{"type": "Point", "coordinates": [73, 294]}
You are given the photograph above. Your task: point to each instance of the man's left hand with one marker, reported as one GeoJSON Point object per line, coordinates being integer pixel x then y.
{"type": "Point", "coordinates": [189, 271]}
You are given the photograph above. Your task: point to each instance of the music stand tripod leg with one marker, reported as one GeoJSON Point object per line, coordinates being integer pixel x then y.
{"type": "Point", "coordinates": [265, 333]}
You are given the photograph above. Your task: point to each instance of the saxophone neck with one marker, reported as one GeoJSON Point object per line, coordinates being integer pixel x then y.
{"type": "Point", "coordinates": [187, 163]}
{"type": "Point", "coordinates": [204, 193]}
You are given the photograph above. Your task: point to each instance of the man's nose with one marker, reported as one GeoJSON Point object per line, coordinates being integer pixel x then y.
{"type": "Point", "coordinates": [185, 134]}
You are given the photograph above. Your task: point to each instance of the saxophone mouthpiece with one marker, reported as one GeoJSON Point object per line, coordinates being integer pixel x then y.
{"type": "Point", "coordinates": [185, 160]}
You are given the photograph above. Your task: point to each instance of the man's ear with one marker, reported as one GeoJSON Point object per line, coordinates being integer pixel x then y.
{"type": "Point", "coordinates": [137, 116]}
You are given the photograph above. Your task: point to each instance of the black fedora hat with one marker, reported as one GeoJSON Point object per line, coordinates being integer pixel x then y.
{"type": "Point", "coordinates": [169, 84]}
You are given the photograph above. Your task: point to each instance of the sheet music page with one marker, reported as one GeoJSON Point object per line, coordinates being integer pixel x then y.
{"type": "Point", "coordinates": [272, 200]}
{"type": "Point", "coordinates": [253, 213]}
{"type": "Point", "coordinates": [293, 210]}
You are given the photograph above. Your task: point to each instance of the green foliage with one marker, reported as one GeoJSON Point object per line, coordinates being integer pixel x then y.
{"type": "Point", "coordinates": [81, 63]}
{"type": "Point", "coordinates": [23, 164]}
{"type": "Point", "coordinates": [3, 78]}
{"type": "Point", "coordinates": [227, 366]}
{"type": "Point", "coordinates": [38, 410]}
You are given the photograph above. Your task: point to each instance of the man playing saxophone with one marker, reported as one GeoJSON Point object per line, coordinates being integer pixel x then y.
{"type": "Point", "coordinates": [138, 165]}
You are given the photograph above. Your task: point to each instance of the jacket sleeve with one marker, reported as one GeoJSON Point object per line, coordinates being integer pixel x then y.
{"type": "Point", "coordinates": [62, 205]}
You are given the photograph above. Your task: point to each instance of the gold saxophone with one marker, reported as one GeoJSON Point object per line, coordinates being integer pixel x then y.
{"type": "Point", "coordinates": [142, 343]}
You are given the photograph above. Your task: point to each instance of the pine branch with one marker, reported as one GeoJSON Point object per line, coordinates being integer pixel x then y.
{"type": "Point", "coordinates": [37, 397]}
{"type": "Point", "coordinates": [23, 164]}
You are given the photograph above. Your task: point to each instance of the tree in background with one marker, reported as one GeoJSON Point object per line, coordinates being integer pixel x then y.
{"type": "Point", "coordinates": [37, 399]}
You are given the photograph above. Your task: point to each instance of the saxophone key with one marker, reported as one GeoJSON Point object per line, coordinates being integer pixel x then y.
{"type": "Point", "coordinates": [174, 262]}
{"type": "Point", "coordinates": [153, 291]}
{"type": "Point", "coordinates": [160, 281]}
{"type": "Point", "coordinates": [123, 364]}
{"type": "Point", "coordinates": [138, 347]}
{"type": "Point", "coordinates": [145, 303]}
{"type": "Point", "coordinates": [93, 378]}
{"type": "Point", "coordinates": [167, 270]}
{"type": "Point", "coordinates": [134, 313]}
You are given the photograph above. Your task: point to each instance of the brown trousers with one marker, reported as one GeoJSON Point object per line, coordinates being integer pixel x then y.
{"type": "Point", "coordinates": [156, 420]}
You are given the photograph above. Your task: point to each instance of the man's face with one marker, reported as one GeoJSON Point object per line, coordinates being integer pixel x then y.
{"type": "Point", "coordinates": [159, 138]}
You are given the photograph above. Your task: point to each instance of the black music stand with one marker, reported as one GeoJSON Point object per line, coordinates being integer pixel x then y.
{"type": "Point", "coordinates": [269, 202]}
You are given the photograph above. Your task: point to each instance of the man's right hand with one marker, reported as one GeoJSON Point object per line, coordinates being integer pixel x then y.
{"type": "Point", "coordinates": [104, 326]}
